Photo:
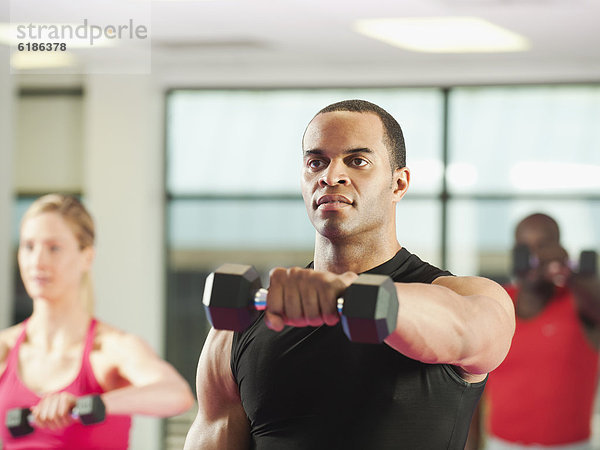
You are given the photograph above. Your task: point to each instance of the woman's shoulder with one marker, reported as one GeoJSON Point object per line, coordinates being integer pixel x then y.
{"type": "Point", "coordinates": [9, 335]}
{"type": "Point", "coordinates": [111, 338]}
{"type": "Point", "coordinates": [8, 338]}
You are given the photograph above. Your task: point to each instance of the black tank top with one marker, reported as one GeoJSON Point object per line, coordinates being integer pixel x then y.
{"type": "Point", "coordinates": [311, 388]}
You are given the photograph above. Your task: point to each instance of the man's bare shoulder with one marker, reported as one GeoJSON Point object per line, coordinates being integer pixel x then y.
{"type": "Point", "coordinates": [467, 285]}
{"type": "Point", "coordinates": [219, 340]}
{"type": "Point", "coordinates": [214, 364]}
{"type": "Point", "coordinates": [216, 352]}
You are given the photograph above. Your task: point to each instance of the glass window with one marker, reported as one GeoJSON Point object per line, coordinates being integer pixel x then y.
{"type": "Point", "coordinates": [481, 231]}
{"type": "Point", "coordinates": [524, 140]}
{"type": "Point", "coordinates": [418, 225]}
{"type": "Point", "coordinates": [249, 141]}
{"type": "Point", "coordinates": [257, 224]}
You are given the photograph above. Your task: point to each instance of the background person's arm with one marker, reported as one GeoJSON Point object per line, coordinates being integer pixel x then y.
{"type": "Point", "coordinates": [150, 385]}
{"type": "Point", "coordinates": [467, 322]}
{"type": "Point", "coordinates": [221, 423]}
{"type": "Point", "coordinates": [586, 289]}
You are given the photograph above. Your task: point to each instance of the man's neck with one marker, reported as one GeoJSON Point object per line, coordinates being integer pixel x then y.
{"type": "Point", "coordinates": [533, 298]}
{"type": "Point", "coordinates": [345, 256]}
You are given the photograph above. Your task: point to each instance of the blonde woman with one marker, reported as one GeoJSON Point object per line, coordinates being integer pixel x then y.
{"type": "Point", "coordinates": [61, 353]}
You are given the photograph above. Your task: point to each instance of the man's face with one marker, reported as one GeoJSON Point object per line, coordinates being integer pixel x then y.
{"type": "Point", "coordinates": [539, 234]}
{"type": "Point", "coordinates": [347, 181]}
{"type": "Point", "coordinates": [551, 259]}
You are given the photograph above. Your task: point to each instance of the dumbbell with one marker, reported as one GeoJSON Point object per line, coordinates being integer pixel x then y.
{"type": "Point", "coordinates": [523, 261]}
{"type": "Point", "coordinates": [233, 296]}
{"type": "Point", "coordinates": [88, 410]}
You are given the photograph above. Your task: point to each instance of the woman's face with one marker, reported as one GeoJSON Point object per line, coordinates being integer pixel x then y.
{"type": "Point", "coordinates": [50, 260]}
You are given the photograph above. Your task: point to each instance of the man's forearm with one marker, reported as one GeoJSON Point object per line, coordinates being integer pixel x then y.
{"type": "Point", "coordinates": [587, 295]}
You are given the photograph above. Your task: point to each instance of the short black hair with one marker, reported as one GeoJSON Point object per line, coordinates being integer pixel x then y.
{"type": "Point", "coordinates": [542, 222]}
{"type": "Point", "coordinates": [393, 137]}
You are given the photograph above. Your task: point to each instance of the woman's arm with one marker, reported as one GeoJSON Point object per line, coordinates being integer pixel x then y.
{"type": "Point", "coordinates": [151, 385]}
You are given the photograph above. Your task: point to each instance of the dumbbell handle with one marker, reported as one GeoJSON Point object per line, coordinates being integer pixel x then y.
{"type": "Point", "coordinates": [524, 261]}
{"type": "Point", "coordinates": [74, 414]}
{"type": "Point", "coordinates": [20, 421]}
{"type": "Point", "coordinates": [260, 300]}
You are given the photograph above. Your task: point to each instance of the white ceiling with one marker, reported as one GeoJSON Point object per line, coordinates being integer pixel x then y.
{"type": "Point", "coordinates": [311, 42]}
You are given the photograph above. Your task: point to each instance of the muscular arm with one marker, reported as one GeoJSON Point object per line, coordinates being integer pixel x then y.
{"type": "Point", "coordinates": [586, 289]}
{"type": "Point", "coordinates": [221, 422]}
{"type": "Point", "coordinates": [464, 321]}
{"type": "Point", "coordinates": [155, 387]}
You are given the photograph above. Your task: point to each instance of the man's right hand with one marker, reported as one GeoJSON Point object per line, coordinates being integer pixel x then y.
{"type": "Point", "coordinates": [304, 297]}
{"type": "Point", "coordinates": [553, 265]}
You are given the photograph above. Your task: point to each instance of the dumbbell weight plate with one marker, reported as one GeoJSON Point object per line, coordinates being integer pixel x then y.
{"type": "Point", "coordinates": [229, 296]}
{"type": "Point", "coordinates": [90, 409]}
{"type": "Point", "coordinates": [17, 422]}
{"type": "Point", "coordinates": [588, 262]}
{"type": "Point", "coordinates": [370, 310]}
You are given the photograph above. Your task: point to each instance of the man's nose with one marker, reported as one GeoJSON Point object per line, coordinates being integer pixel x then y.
{"type": "Point", "coordinates": [334, 174]}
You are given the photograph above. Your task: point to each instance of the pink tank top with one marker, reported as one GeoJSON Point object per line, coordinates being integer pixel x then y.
{"type": "Point", "coordinates": [113, 433]}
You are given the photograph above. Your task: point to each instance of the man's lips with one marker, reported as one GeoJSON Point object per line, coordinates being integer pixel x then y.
{"type": "Point", "coordinates": [333, 201]}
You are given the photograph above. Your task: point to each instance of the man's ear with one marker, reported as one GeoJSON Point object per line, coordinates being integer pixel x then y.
{"type": "Point", "coordinates": [401, 180]}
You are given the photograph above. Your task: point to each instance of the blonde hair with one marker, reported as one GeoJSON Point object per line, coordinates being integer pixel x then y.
{"type": "Point", "coordinates": [81, 223]}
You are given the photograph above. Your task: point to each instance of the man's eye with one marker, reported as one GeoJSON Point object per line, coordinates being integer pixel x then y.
{"type": "Point", "coordinates": [315, 163]}
{"type": "Point", "coordinates": [359, 162]}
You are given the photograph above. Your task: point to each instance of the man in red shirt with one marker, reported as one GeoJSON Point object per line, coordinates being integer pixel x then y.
{"type": "Point", "coordinates": [542, 395]}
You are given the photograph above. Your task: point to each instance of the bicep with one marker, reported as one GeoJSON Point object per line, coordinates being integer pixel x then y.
{"type": "Point", "coordinates": [489, 321]}
{"type": "Point", "coordinates": [221, 422]}
{"type": "Point", "coordinates": [479, 286]}
{"type": "Point", "coordinates": [215, 385]}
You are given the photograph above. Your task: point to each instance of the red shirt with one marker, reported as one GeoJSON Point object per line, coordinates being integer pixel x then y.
{"type": "Point", "coordinates": [113, 433]}
{"type": "Point", "coordinates": [543, 392]}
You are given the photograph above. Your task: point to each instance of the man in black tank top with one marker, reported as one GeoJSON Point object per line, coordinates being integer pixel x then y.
{"type": "Point", "coordinates": [293, 380]}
